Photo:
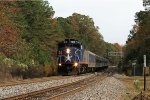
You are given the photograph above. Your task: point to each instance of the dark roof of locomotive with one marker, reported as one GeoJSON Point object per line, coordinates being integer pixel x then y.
{"type": "Point", "coordinates": [69, 42]}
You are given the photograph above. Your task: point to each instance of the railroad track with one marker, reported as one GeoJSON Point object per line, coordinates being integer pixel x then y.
{"type": "Point", "coordinates": [80, 87]}
{"type": "Point", "coordinates": [58, 92]}
{"type": "Point", "coordinates": [55, 93]}
{"type": "Point", "coordinates": [29, 81]}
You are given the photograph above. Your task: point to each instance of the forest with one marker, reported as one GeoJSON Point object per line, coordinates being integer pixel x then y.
{"type": "Point", "coordinates": [138, 42]}
{"type": "Point", "coordinates": [30, 33]}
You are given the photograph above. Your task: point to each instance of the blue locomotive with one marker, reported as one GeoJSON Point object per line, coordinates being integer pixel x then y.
{"type": "Point", "coordinates": [73, 59]}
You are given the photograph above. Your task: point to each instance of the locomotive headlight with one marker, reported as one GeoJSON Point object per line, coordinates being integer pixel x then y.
{"type": "Point", "coordinates": [67, 50]}
{"type": "Point", "coordinates": [75, 64]}
{"type": "Point", "coordinates": [59, 64]}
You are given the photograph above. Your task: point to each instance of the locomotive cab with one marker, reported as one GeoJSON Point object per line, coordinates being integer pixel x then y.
{"type": "Point", "coordinates": [73, 59]}
{"type": "Point", "coordinates": [69, 55]}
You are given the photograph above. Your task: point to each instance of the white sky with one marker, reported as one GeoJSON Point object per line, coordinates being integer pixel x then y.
{"type": "Point", "coordinates": [114, 17]}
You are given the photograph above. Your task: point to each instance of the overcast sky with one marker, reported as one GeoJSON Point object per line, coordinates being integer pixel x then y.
{"type": "Point", "coordinates": [114, 17]}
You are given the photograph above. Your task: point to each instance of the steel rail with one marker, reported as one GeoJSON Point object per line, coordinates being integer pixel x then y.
{"type": "Point", "coordinates": [38, 93]}
{"type": "Point", "coordinates": [74, 90]}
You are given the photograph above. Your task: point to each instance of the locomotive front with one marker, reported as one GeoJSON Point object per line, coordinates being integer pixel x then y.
{"type": "Point", "coordinates": [69, 56]}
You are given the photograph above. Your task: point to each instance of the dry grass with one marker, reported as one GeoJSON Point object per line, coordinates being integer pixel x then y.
{"type": "Point", "coordinates": [134, 89]}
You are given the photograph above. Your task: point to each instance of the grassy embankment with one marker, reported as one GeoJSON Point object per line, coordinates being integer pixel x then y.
{"type": "Point", "coordinates": [135, 86]}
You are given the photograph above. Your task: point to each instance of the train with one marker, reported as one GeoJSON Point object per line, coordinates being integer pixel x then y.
{"type": "Point", "coordinates": [72, 58]}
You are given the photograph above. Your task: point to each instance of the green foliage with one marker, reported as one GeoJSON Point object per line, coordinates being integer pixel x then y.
{"type": "Point", "coordinates": [31, 22]}
{"type": "Point", "coordinates": [112, 48]}
{"type": "Point", "coordinates": [2, 56]}
{"type": "Point", "coordinates": [82, 28]}
{"type": "Point", "coordinates": [23, 52]}
{"type": "Point", "coordinates": [8, 62]}
{"type": "Point", "coordinates": [146, 3]}
{"type": "Point", "coordinates": [137, 84]}
{"type": "Point", "coordinates": [38, 17]}
{"type": "Point", "coordinates": [30, 36]}
{"type": "Point", "coordinates": [138, 44]}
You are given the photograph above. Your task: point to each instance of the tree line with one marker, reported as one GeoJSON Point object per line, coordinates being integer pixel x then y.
{"type": "Point", "coordinates": [138, 42]}
{"type": "Point", "coordinates": [30, 34]}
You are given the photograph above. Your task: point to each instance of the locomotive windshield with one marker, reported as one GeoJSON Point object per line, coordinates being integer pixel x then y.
{"type": "Point", "coordinates": [69, 43]}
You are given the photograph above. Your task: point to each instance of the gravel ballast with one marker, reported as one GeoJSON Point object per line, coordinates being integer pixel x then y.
{"type": "Point", "coordinates": [9, 91]}
{"type": "Point", "coordinates": [107, 89]}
